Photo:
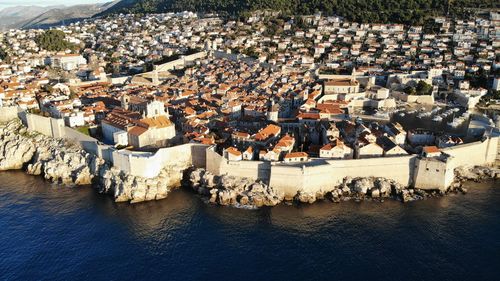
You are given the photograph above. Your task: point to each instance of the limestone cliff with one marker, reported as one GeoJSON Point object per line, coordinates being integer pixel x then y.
{"type": "Point", "coordinates": [229, 190]}
{"type": "Point", "coordinates": [66, 163]}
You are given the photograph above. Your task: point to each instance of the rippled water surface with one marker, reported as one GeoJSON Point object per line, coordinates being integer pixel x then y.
{"type": "Point", "coordinates": [49, 232]}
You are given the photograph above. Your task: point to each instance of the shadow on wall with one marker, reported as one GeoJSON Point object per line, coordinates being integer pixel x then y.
{"type": "Point", "coordinates": [23, 117]}
{"type": "Point", "coordinates": [199, 157]}
{"type": "Point", "coordinates": [264, 172]}
{"type": "Point", "coordinates": [412, 164]}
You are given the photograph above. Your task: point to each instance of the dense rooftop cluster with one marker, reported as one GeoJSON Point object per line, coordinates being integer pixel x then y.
{"type": "Point", "coordinates": [265, 88]}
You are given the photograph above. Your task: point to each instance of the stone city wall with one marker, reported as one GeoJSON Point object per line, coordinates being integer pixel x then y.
{"type": "Point", "coordinates": [476, 153]}
{"type": "Point", "coordinates": [425, 99]}
{"type": "Point", "coordinates": [324, 175]}
{"type": "Point", "coordinates": [255, 170]}
{"type": "Point", "coordinates": [90, 144]}
{"type": "Point", "coordinates": [45, 125]}
{"type": "Point", "coordinates": [180, 62]}
{"type": "Point", "coordinates": [55, 128]}
{"type": "Point", "coordinates": [8, 113]}
{"type": "Point", "coordinates": [314, 175]}
{"type": "Point", "coordinates": [142, 164]}
{"type": "Point", "coordinates": [149, 165]}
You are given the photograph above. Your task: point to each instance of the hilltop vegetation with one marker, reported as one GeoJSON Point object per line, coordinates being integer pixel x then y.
{"type": "Point", "coordinates": [54, 40]}
{"type": "Point", "coordinates": [397, 11]}
{"type": "Point", "coordinates": [3, 53]}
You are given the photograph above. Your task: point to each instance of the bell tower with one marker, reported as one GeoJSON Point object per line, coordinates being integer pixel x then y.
{"type": "Point", "coordinates": [125, 99]}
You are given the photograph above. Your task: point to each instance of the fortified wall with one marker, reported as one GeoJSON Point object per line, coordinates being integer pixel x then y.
{"type": "Point", "coordinates": [475, 153]}
{"type": "Point", "coordinates": [322, 175]}
{"type": "Point", "coordinates": [424, 99]}
{"type": "Point", "coordinates": [255, 170]}
{"type": "Point", "coordinates": [8, 113]}
{"type": "Point", "coordinates": [312, 176]}
{"type": "Point", "coordinates": [149, 165]}
{"type": "Point", "coordinates": [143, 164]}
{"type": "Point", "coordinates": [181, 62]}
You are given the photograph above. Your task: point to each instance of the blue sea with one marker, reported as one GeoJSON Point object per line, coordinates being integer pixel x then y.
{"type": "Point", "coordinates": [49, 232]}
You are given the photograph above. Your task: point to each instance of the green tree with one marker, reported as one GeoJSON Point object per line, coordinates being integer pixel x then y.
{"type": "Point", "coordinates": [414, 12]}
{"type": "Point", "coordinates": [54, 40]}
{"type": "Point", "coordinates": [410, 91]}
{"type": "Point", "coordinates": [3, 54]}
{"type": "Point", "coordinates": [423, 88]}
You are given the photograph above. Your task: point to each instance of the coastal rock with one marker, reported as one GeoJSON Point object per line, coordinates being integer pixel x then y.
{"type": "Point", "coordinates": [362, 185]}
{"type": "Point", "coordinates": [16, 146]}
{"type": "Point", "coordinates": [66, 163]}
{"type": "Point", "coordinates": [306, 197]}
{"type": "Point", "coordinates": [476, 173]}
{"type": "Point", "coordinates": [134, 189]}
{"type": "Point", "coordinates": [228, 190]}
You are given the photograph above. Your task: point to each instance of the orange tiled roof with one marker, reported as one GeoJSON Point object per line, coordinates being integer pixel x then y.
{"type": "Point", "coordinates": [296, 155]}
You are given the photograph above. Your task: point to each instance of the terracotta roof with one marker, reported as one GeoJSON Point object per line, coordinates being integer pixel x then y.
{"type": "Point", "coordinates": [269, 131]}
{"type": "Point", "coordinates": [137, 131]}
{"type": "Point", "coordinates": [342, 82]}
{"type": "Point", "coordinates": [157, 122]}
{"type": "Point", "coordinates": [296, 155]}
{"type": "Point", "coordinates": [431, 149]}
{"type": "Point", "coordinates": [234, 151]}
{"type": "Point", "coordinates": [309, 115]}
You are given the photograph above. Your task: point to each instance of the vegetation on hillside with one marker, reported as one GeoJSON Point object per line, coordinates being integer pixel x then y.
{"type": "Point", "coordinates": [420, 89]}
{"type": "Point", "coordinates": [399, 11]}
{"type": "Point", "coordinates": [3, 54]}
{"type": "Point", "coordinates": [54, 40]}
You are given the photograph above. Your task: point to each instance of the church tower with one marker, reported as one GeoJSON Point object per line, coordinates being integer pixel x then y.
{"type": "Point", "coordinates": [125, 99]}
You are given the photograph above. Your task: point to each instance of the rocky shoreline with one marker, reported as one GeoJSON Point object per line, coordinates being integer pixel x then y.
{"type": "Point", "coordinates": [242, 192]}
{"type": "Point", "coordinates": [66, 163]}
{"type": "Point", "coordinates": [63, 162]}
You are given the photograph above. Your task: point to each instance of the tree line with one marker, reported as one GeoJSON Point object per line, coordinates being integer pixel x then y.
{"type": "Point", "coordinates": [54, 40]}
{"type": "Point", "coordinates": [413, 12]}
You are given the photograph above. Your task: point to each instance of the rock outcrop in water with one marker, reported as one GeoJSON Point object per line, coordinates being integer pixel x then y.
{"type": "Point", "coordinates": [229, 190]}
{"type": "Point", "coordinates": [15, 148]}
{"type": "Point", "coordinates": [476, 173]}
{"type": "Point", "coordinates": [375, 189]}
{"type": "Point", "coordinates": [66, 163]}
{"type": "Point", "coordinates": [137, 189]}
{"type": "Point", "coordinates": [55, 159]}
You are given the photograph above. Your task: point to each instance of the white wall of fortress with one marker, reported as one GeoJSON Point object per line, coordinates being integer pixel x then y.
{"type": "Point", "coordinates": [314, 175]}
{"type": "Point", "coordinates": [136, 163]}
{"type": "Point", "coordinates": [476, 153]}
{"type": "Point", "coordinates": [424, 99]}
{"type": "Point", "coordinates": [290, 178]}
{"type": "Point", "coordinates": [255, 170]}
{"type": "Point", "coordinates": [181, 62]}
{"type": "Point", "coordinates": [8, 113]}
{"type": "Point", "coordinates": [149, 165]}
{"type": "Point", "coordinates": [320, 175]}
{"type": "Point", "coordinates": [323, 175]}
